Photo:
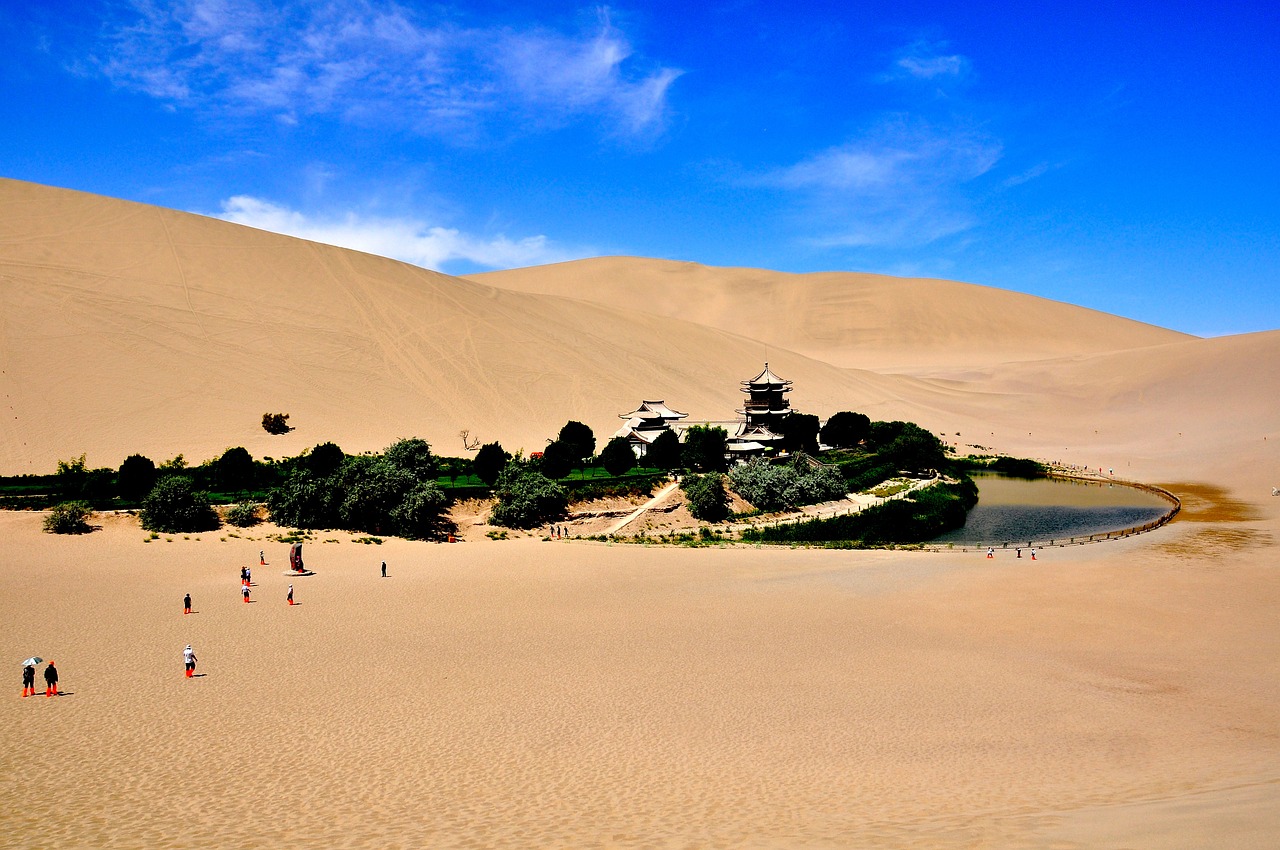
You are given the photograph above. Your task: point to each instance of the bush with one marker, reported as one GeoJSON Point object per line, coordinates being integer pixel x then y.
{"type": "Point", "coordinates": [276, 423]}
{"type": "Point", "coordinates": [707, 498]}
{"type": "Point", "coordinates": [771, 487]}
{"type": "Point", "coordinates": [846, 429]}
{"type": "Point", "coordinates": [68, 518]}
{"type": "Point", "coordinates": [243, 515]}
{"type": "Point", "coordinates": [617, 456]}
{"type": "Point", "coordinates": [376, 494]}
{"type": "Point", "coordinates": [173, 505]}
{"type": "Point", "coordinates": [489, 462]}
{"type": "Point", "coordinates": [136, 477]}
{"type": "Point", "coordinates": [527, 498]}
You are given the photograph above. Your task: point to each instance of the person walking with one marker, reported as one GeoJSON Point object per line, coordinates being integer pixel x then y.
{"type": "Point", "coordinates": [991, 553]}
{"type": "Point", "coordinates": [51, 680]}
{"type": "Point", "coordinates": [262, 558]}
{"type": "Point", "coordinates": [189, 660]}
{"type": "Point", "coordinates": [1019, 551]}
{"type": "Point", "coordinates": [289, 598]}
{"type": "Point", "coordinates": [244, 576]}
{"type": "Point", "coordinates": [1033, 554]}
{"type": "Point", "coordinates": [29, 681]}
{"type": "Point", "coordinates": [384, 569]}
{"type": "Point", "coordinates": [245, 592]}
{"type": "Point", "coordinates": [186, 604]}
{"type": "Point", "coordinates": [248, 577]}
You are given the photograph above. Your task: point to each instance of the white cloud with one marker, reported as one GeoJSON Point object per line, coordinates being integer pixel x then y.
{"type": "Point", "coordinates": [925, 60]}
{"type": "Point", "coordinates": [375, 62]}
{"type": "Point", "coordinates": [403, 239]}
{"type": "Point", "coordinates": [902, 184]}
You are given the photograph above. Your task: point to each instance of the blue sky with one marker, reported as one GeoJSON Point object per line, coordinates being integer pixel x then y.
{"type": "Point", "coordinates": [1121, 158]}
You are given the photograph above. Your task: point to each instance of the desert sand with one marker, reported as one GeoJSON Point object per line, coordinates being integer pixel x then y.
{"type": "Point", "coordinates": [530, 693]}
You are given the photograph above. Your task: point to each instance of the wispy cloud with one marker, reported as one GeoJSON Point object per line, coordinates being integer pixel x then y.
{"type": "Point", "coordinates": [378, 63]}
{"type": "Point", "coordinates": [403, 239]}
{"type": "Point", "coordinates": [926, 60]}
{"type": "Point", "coordinates": [899, 185]}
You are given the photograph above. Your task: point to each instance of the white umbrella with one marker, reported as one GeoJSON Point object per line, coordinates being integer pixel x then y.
{"type": "Point", "coordinates": [33, 661]}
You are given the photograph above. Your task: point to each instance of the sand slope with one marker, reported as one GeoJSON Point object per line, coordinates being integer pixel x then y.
{"type": "Point", "coordinates": [864, 321]}
{"type": "Point", "coordinates": [524, 693]}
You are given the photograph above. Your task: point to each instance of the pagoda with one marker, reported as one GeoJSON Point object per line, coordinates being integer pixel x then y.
{"type": "Point", "coordinates": [646, 423]}
{"type": "Point", "coordinates": [763, 412]}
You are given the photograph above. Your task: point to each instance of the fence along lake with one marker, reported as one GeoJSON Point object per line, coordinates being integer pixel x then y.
{"type": "Point", "coordinates": [1018, 511]}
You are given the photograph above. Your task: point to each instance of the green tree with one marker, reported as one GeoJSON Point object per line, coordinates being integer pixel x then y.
{"type": "Point", "coordinates": [558, 458]}
{"type": "Point", "coordinates": [305, 500]}
{"type": "Point", "coordinates": [800, 433]}
{"type": "Point", "coordinates": [68, 518]}
{"type": "Point", "coordinates": [71, 477]}
{"type": "Point", "coordinates": [664, 451]}
{"type": "Point", "coordinates": [578, 439]}
{"type": "Point", "coordinates": [413, 455]}
{"type": "Point", "coordinates": [324, 459]}
{"type": "Point", "coordinates": [136, 477]}
{"type": "Point", "coordinates": [704, 448]}
{"type": "Point", "coordinates": [617, 456]}
{"type": "Point", "coordinates": [173, 505]}
{"type": "Point", "coordinates": [846, 429]}
{"type": "Point", "coordinates": [707, 498]}
{"type": "Point", "coordinates": [489, 462]}
{"type": "Point", "coordinates": [421, 513]}
{"type": "Point", "coordinates": [243, 515]}
{"type": "Point", "coordinates": [234, 470]}
{"type": "Point", "coordinates": [276, 423]}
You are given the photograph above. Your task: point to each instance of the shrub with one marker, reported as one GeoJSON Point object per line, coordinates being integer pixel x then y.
{"type": "Point", "coordinates": [617, 456]}
{"type": "Point", "coordinates": [846, 429]}
{"type": "Point", "coordinates": [704, 448]}
{"type": "Point", "coordinates": [136, 477]}
{"type": "Point", "coordinates": [173, 505]}
{"type": "Point", "coordinates": [771, 487]}
{"type": "Point", "coordinates": [707, 498]}
{"type": "Point", "coordinates": [68, 518]}
{"type": "Point", "coordinates": [276, 423]}
{"type": "Point", "coordinates": [489, 462]}
{"type": "Point", "coordinates": [243, 515]}
{"type": "Point", "coordinates": [527, 498]}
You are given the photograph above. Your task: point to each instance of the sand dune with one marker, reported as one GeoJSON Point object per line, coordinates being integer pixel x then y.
{"type": "Point", "coordinates": [525, 693]}
{"type": "Point", "coordinates": [863, 321]}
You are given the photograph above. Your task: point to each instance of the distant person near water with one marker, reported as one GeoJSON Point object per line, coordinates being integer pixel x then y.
{"type": "Point", "coordinates": [51, 680]}
{"type": "Point", "coordinates": [186, 604]}
{"type": "Point", "coordinates": [189, 660]}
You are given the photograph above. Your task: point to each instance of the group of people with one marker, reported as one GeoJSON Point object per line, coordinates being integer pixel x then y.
{"type": "Point", "coordinates": [991, 552]}
{"type": "Point", "coordinates": [50, 680]}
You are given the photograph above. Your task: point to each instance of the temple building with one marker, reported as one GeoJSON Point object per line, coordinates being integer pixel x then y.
{"type": "Point", "coordinates": [645, 423]}
{"type": "Point", "coordinates": [763, 412]}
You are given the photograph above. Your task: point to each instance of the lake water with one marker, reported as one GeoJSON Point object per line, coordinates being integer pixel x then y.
{"type": "Point", "coordinates": [1016, 511]}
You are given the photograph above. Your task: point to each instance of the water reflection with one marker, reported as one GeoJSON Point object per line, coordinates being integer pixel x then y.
{"type": "Point", "coordinates": [1017, 511]}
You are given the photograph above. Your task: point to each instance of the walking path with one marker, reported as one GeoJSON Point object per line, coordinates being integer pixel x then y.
{"type": "Point", "coordinates": [631, 517]}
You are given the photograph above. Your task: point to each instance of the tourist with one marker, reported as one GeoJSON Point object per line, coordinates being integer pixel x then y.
{"type": "Point", "coordinates": [262, 557]}
{"type": "Point", "coordinates": [51, 680]}
{"type": "Point", "coordinates": [1019, 551]}
{"type": "Point", "coordinates": [186, 604]}
{"type": "Point", "coordinates": [289, 598]}
{"type": "Point", "coordinates": [29, 680]}
{"type": "Point", "coordinates": [1033, 554]}
{"type": "Point", "coordinates": [384, 569]}
{"type": "Point", "coordinates": [244, 576]}
{"type": "Point", "coordinates": [991, 553]}
{"type": "Point", "coordinates": [189, 660]}
{"type": "Point", "coordinates": [248, 577]}
{"type": "Point", "coordinates": [245, 590]}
